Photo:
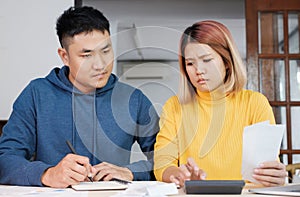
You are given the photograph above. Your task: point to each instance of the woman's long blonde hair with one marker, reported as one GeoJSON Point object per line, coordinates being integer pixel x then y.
{"type": "Point", "coordinates": [218, 37]}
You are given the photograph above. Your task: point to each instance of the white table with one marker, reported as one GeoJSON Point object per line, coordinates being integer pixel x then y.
{"type": "Point", "coordinates": [12, 191]}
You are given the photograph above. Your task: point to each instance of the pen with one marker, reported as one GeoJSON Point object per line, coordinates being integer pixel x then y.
{"type": "Point", "coordinates": [74, 152]}
{"type": "Point", "coordinates": [120, 181]}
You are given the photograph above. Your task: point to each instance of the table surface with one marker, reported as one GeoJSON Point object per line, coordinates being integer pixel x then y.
{"type": "Point", "coordinates": [9, 191]}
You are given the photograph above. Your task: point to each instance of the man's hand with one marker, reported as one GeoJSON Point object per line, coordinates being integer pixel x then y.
{"type": "Point", "coordinates": [71, 170]}
{"type": "Point", "coordinates": [106, 171]}
{"type": "Point", "coordinates": [271, 173]}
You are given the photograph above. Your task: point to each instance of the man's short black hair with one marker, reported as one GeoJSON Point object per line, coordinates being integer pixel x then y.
{"type": "Point", "coordinates": [77, 20]}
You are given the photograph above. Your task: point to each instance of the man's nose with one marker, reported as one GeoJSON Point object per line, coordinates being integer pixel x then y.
{"type": "Point", "coordinates": [98, 63]}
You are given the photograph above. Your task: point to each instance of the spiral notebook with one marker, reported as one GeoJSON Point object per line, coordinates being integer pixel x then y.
{"type": "Point", "coordinates": [100, 185]}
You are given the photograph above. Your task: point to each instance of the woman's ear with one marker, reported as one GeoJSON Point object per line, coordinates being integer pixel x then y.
{"type": "Point", "coordinates": [63, 54]}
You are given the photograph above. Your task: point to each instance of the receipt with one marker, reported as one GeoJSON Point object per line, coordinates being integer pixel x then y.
{"type": "Point", "coordinates": [261, 142]}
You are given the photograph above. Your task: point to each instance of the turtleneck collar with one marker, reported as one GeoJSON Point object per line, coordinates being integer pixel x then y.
{"type": "Point", "coordinates": [216, 96]}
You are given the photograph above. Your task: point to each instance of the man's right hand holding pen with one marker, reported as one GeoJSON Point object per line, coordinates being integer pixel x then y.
{"type": "Point", "coordinates": [71, 170]}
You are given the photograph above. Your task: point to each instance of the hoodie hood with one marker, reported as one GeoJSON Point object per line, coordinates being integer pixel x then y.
{"type": "Point", "coordinates": [59, 77]}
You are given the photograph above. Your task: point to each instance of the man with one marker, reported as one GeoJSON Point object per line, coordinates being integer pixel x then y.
{"type": "Point", "coordinates": [82, 103]}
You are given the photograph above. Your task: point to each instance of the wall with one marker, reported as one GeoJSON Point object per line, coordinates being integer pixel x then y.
{"type": "Point", "coordinates": [167, 20]}
{"type": "Point", "coordinates": [28, 42]}
{"type": "Point", "coordinates": [28, 45]}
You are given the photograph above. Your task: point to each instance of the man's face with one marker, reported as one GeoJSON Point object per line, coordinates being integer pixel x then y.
{"type": "Point", "coordinates": [90, 59]}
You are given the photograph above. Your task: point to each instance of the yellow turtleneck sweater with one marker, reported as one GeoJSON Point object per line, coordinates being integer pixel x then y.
{"type": "Point", "coordinates": [210, 131]}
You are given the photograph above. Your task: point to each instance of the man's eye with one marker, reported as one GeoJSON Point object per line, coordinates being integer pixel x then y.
{"type": "Point", "coordinates": [207, 60]}
{"type": "Point", "coordinates": [105, 51]}
{"type": "Point", "coordinates": [86, 55]}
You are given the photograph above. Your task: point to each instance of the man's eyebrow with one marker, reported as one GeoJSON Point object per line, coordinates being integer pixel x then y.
{"type": "Point", "coordinates": [106, 46]}
{"type": "Point", "coordinates": [86, 50]}
{"type": "Point", "coordinates": [91, 50]}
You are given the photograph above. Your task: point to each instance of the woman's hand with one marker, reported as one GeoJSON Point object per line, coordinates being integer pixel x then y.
{"type": "Point", "coordinates": [272, 173]}
{"type": "Point", "coordinates": [188, 171]}
{"type": "Point", "coordinates": [196, 172]}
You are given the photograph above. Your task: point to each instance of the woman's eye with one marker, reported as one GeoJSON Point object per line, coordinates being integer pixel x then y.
{"type": "Point", "coordinates": [207, 60]}
{"type": "Point", "coordinates": [189, 63]}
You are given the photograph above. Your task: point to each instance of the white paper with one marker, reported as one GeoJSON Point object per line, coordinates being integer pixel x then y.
{"type": "Point", "coordinates": [261, 143]}
{"type": "Point", "coordinates": [148, 189]}
{"type": "Point", "coordinates": [99, 185]}
{"type": "Point", "coordinates": [286, 190]}
{"type": "Point", "coordinates": [13, 191]}
{"type": "Point", "coordinates": [162, 189]}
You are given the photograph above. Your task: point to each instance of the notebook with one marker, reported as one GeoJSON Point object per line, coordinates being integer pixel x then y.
{"type": "Point", "coordinates": [100, 185]}
{"type": "Point", "coordinates": [287, 190]}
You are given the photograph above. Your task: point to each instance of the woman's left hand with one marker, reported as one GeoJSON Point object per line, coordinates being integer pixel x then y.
{"type": "Point", "coordinates": [271, 173]}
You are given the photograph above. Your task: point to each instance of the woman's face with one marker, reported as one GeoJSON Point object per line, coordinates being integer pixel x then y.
{"type": "Point", "coordinates": [204, 66]}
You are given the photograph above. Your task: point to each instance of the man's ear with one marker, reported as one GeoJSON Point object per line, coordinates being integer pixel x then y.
{"type": "Point", "coordinates": [63, 54]}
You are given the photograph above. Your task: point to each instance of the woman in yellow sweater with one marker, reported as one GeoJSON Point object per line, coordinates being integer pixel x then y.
{"type": "Point", "coordinates": [201, 129]}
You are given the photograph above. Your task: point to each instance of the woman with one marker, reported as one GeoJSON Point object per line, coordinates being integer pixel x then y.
{"type": "Point", "coordinates": [202, 128]}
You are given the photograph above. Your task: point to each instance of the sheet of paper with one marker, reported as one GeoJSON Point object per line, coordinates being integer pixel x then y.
{"type": "Point", "coordinates": [13, 191]}
{"type": "Point", "coordinates": [261, 142]}
{"type": "Point", "coordinates": [162, 189]}
{"type": "Point", "coordinates": [100, 185]}
{"type": "Point", "coordinates": [286, 190]}
{"type": "Point", "coordinates": [148, 189]}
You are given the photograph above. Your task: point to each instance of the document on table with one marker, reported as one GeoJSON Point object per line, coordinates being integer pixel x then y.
{"type": "Point", "coordinates": [261, 142]}
{"type": "Point", "coordinates": [99, 185]}
{"type": "Point", "coordinates": [13, 191]}
{"type": "Point", "coordinates": [148, 189]}
{"type": "Point", "coordinates": [286, 190]}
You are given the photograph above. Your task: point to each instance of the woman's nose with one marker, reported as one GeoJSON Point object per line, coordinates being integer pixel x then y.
{"type": "Point", "coordinates": [200, 69]}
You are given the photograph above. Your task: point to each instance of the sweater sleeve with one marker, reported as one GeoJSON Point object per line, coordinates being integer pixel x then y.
{"type": "Point", "coordinates": [261, 109]}
{"type": "Point", "coordinates": [166, 147]}
{"type": "Point", "coordinates": [147, 128]}
{"type": "Point", "coordinates": [17, 145]}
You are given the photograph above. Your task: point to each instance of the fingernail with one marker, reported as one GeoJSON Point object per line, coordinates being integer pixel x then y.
{"type": "Point", "coordinates": [203, 176]}
{"type": "Point", "coordinates": [89, 174]}
{"type": "Point", "coordinates": [261, 165]}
